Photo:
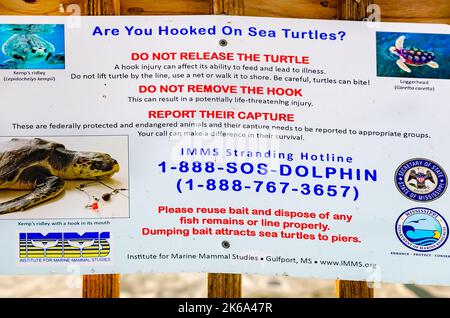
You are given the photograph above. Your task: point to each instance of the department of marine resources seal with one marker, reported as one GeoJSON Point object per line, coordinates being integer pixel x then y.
{"type": "Point", "coordinates": [421, 180]}
{"type": "Point", "coordinates": [422, 229]}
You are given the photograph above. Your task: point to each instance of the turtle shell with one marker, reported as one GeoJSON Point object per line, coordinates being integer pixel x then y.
{"type": "Point", "coordinates": [18, 154]}
{"type": "Point", "coordinates": [416, 56]}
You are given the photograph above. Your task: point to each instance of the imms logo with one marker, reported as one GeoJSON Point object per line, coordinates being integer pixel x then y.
{"type": "Point", "coordinates": [70, 245]}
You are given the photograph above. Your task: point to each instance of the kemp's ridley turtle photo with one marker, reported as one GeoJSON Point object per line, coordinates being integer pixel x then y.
{"type": "Point", "coordinates": [27, 46]}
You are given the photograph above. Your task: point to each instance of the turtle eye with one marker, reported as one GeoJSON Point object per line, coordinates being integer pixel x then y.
{"type": "Point", "coordinates": [45, 50]}
{"type": "Point", "coordinates": [33, 51]}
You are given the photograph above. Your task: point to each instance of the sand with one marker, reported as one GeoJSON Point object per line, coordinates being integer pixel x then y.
{"type": "Point", "coordinates": [189, 285]}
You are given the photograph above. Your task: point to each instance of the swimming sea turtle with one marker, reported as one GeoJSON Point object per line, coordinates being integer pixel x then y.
{"type": "Point", "coordinates": [25, 47]}
{"type": "Point", "coordinates": [412, 56]}
{"type": "Point", "coordinates": [41, 166]}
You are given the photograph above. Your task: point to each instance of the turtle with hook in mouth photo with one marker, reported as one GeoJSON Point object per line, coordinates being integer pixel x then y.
{"type": "Point", "coordinates": [42, 166]}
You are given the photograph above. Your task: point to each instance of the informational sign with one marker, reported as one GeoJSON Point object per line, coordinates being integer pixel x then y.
{"type": "Point", "coordinates": [225, 144]}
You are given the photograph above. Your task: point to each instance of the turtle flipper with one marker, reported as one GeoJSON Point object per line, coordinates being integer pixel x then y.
{"type": "Point", "coordinates": [399, 42]}
{"type": "Point", "coordinates": [433, 64]}
{"type": "Point", "coordinates": [11, 64]}
{"type": "Point", "coordinates": [49, 188]}
{"type": "Point", "coordinates": [58, 58]}
{"type": "Point", "coordinates": [402, 65]}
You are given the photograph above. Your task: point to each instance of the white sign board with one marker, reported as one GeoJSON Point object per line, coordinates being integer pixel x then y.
{"type": "Point", "coordinates": [225, 144]}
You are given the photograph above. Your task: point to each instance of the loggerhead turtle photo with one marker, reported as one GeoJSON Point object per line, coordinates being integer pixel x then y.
{"type": "Point", "coordinates": [42, 166]}
{"type": "Point", "coordinates": [412, 56]}
{"type": "Point", "coordinates": [27, 48]}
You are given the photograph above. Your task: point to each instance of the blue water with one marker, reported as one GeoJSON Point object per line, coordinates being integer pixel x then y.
{"type": "Point", "coordinates": [419, 236]}
{"type": "Point", "coordinates": [56, 38]}
{"type": "Point", "coordinates": [439, 44]}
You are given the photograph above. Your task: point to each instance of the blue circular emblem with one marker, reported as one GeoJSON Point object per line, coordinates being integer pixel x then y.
{"type": "Point", "coordinates": [421, 229]}
{"type": "Point", "coordinates": [421, 180]}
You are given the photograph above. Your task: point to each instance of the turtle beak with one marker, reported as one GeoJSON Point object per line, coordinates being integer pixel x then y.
{"type": "Point", "coordinates": [105, 164]}
{"type": "Point", "coordinates": [110, 168]}
{"type": "Point", "coordinates": [116, 167]}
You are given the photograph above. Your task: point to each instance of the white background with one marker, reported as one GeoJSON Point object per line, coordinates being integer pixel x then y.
{"type": "Point", "coordinates": [377, 107]}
